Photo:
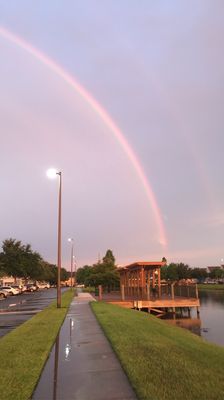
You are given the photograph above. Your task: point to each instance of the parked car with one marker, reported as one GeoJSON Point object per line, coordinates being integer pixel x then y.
{"type": "Point", "coordinates": [10, 290]}
{"type": "Point", "coordinates": [30, 287]}
{"type": "Point", "coordinates": [3, 294]}
{"type": "Point", "coordinates": [43, 285]}
{"type": "Point", "coordinates": [19, 287]}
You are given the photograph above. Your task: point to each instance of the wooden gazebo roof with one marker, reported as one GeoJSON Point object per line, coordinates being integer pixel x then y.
{"type": "Point", "coordinates": [146, 265]}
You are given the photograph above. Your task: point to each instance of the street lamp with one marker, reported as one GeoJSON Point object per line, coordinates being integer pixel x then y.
{"type": "Point", "coordinates": [75, 264]}
{"type": "Point", "coordinates": [71, 240]}
{"type": "Point", "coordinates": [52, 174]}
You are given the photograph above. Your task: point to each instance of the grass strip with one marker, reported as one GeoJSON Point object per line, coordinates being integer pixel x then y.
{"type": "Point", "coordinates": [89, 289]}
{"type": "Point", "coordinates": [162, 362]}
{"type": "Point", "coordinates": [211, 287]}
{"type": "Point", "coordinates": [24, 350]}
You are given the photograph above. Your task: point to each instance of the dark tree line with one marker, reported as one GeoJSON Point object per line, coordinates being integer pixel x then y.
{"type": "Point", "coordinates": [102, 273]}
{"type": "Point", "coordinates": [20, 261]}
{"type": "Point", "coordinates": [177, 271]}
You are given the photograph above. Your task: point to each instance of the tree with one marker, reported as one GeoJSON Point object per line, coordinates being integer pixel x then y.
{"type": "Point", "coordinates": [169, 272]}
{"type": "Point", "coordinates": [183, 271]}
{"type": "Point", "coordinates": [104, 273]}
{"type": "Point", "coordinates": [175, 271]}
{"type": "Point", "coordinates": [198, 273]}
{"type": "Point", "coordinates": [2, 271]}
{"type": "Point", "coordinates": [216, 273]}
{"type": "Point", "coordinates": [82, 274]}
{"type": "Point", "coordinates": [19, 260]}
{"type": "Point", "coordinates": [109, 258]}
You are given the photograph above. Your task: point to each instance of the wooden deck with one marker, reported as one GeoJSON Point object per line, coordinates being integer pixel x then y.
{"type": "Point", "coordinates": [167, 303]}
{"type": "Point", "coordinates": [156, 304]}
{"type": "Point", "coordinates": [165, 298]}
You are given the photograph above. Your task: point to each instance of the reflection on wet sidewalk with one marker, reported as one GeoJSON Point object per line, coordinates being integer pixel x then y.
{"type": "Point", "coordinates": [67, 351]}
{"type": "Point", "coordinates": [82, 364]}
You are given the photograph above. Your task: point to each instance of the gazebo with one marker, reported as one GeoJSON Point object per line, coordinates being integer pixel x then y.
{"type": "Point", "coordinates": [138, 278]}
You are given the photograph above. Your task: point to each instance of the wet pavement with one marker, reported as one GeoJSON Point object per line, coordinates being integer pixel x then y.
{"type": "Point", "coordinates": [82, 364]}
{"type": "Point", "coordinates": [15, 310]}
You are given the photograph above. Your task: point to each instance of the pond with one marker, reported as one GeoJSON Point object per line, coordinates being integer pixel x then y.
{"type": "Point", "coordinates": [210, 324]}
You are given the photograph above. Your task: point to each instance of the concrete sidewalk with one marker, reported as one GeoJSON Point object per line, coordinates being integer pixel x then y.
{"type": "Point", "coordinates": [82, 364]}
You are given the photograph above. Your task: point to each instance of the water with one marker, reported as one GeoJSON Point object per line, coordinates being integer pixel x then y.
{"type": "Point", "coordinates": [210, 324]}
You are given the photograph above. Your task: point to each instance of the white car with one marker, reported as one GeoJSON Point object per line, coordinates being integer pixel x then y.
{"type": "Point", "coordinates": [18, 287]}
{"type": "Point", "coordinates": [43, 285]}
{"type": "Point", "coordinates": [3, 294]}
{"type": "Point", "coordinates": [10, 290]}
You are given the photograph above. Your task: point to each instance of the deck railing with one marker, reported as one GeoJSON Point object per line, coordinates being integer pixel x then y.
{"type": "Point", "coordinates": [165, 291]}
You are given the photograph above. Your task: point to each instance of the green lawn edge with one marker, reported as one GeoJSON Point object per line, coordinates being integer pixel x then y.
{"type": "Point", "coordinates": [24, 350]}
{"type": "Point", "coordinates": [203, 287]}
{"type": "Point", "coordinates": [162, 362]}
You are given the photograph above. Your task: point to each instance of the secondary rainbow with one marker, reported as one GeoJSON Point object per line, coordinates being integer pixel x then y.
{"type": "Point", "coordinates": [102, 113]}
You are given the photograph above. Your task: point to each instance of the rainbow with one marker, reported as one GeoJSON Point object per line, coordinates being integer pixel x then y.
{"type": "Point", "coordinates": [102, 113]}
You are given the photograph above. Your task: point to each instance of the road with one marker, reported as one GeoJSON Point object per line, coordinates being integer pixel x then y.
{"type": "Point", "coordinates": [15, 310]}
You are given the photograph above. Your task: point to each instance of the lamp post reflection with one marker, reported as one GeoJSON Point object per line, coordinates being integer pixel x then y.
{"type": "Point", "coordinates": [67, 352]}
{"type": "Point", "coordinates": [56, 356]}
{"type": "Point", "coordinates": [68, 346]}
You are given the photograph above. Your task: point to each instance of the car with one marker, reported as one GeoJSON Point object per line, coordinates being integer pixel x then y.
{"type": "Point", "coordinates": [3, 294]}
{"type": "Point", "coordinates": [43, 285]}
{"type": "Point", "coordinates": [17, 287]}
{"type": "Point", "coordinates": [30, 287]}
{"type": "Point", "coordinates": [10, 290]}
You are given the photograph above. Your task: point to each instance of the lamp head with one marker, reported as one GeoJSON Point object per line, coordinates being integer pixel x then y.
{"type": "Point", "coordinates": [52, 173]}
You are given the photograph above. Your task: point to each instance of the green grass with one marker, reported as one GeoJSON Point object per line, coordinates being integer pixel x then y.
{"type": "Point", "coordinates": [25, 349]}
{"type": "Point", "coordinates": [88, 289]}
{"type": "Point", "coordinates": [211, 287]}
{"type": "Point", "coordinates": [162, 362]}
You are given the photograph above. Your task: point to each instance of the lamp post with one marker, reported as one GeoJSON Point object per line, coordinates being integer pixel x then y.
{"type": "Point", "coordinates": [52, 174]}
{"type": "Point", "coordinates": [75, 263]}
{"type": "Point", "coordinates": [71, 240]}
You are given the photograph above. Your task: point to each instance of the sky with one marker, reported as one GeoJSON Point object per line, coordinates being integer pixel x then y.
{"type": "Point", "coordinates": [126, 99]}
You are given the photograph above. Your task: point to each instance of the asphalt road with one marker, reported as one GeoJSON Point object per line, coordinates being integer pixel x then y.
{"type": "Point", "coordinates": [15, 310]}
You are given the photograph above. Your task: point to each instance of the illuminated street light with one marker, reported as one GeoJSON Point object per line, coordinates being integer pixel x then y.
{"type": "Point", "coordinates": [52, 174]}
{"type": "Point", "coordinates": [71, 240]}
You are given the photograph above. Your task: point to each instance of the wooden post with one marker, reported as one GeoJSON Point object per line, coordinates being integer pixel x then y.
{"type": "Point", "coordinates": [148, 290]}
{"type": "Point", "coordinates": [100, 293]}
{"type": "Point", "coordinates": [133, 283]}
{"type": "Point", "coordinates": [143, 282]}
{"type": "Point", "coordinates": [153, 278]}
{"type": "Point", "coordinates": [130, 283]}
{"type": "Point", "coordinates": [138, 281]}
{"type": "Point", "coordinates": [122, 293]}
{"type": "Point", "coordinates": [159, 284]}
{"type": "Point", "coordinates": [196, 291]}
{"type": "Point", "coordinates": [172, 291]}
{"type": "Point", "coordinates": [172, 295]}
